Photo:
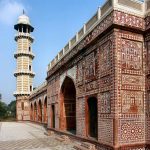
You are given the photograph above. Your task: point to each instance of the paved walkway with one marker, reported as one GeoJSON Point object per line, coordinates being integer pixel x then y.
{"type": "Point", "coordinates": [28, 136]}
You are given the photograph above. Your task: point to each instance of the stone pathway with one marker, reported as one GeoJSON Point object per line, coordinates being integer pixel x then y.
{"type": "Point", "coordinates": [28, 136]}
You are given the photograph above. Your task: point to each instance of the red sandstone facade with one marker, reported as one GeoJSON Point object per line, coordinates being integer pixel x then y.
{"type": "Point", "coordinates": [100, 90]}
{"type": "Point", "coordinates": [38, 105]}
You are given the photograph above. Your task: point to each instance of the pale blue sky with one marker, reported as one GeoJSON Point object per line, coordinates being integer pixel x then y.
{"type": "Point", "coordinates": [55, 22]}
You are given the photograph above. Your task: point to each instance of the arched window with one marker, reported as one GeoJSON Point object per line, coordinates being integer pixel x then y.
{"type": "Point", "coordinates": [29, 67]}
{"type": "Point", "coordinates": [22, 105]}
{"type": "Point", "coordinates": [30, 88]}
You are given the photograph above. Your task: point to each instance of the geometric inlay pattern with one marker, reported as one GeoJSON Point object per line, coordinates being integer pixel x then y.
{"type": "Point", "coordinates": [132, 131]}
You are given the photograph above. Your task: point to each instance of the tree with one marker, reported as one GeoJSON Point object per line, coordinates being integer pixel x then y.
{"type": "Point", "coordinates": [3, 110]}
{"type": "Point", "coordinates": [8, 112]}
{"type": "Point", "coordinates": [12, 109]}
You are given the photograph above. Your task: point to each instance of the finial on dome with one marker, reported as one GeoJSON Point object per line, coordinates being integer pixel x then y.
{"type": "Point", "coordinates": [23, 20]}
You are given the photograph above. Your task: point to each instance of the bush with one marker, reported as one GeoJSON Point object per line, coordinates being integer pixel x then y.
{"type": "Point", "coordinates": [7, 112]}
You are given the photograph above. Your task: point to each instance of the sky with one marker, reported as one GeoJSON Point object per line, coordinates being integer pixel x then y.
{"type": "Point", "coordinates": [55, 23]}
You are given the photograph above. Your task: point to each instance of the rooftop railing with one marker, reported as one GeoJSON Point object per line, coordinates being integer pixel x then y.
{"type": "Point", "coordinates": [21, 93]}
{"type": "Point", "coordinates": [23, 71]}
{"type": "Point", "coordinates": [131, 6]}
{"type": "Point", "coordinates": [24, 35]}
{"type": "Point", "coordinates": [39, 88]}
{"type": "Point", "coordinates": [19, 52]}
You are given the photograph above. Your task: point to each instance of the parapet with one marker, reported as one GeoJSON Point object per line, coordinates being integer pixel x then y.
{"type": "Point", "coordinates": [38, 89]}
{"type": "Point", "coordinates": [135, 7]}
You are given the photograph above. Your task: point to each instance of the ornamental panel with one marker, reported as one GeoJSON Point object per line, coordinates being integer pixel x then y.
{"type": "Point", "coordinates": [105, 102]}
{"type": "Point", "coordinates": [105, 61]}
{"type": "Point", "coordinates": [131, 56]}
{"type": "Point", "coordinates": [132, 82]}
{"type": "Point", "coordinates": [132, 102]}
{"type": "Point", "coordinates": [90, 67]}
{"type": "Point", "coordinates": [80, 72]}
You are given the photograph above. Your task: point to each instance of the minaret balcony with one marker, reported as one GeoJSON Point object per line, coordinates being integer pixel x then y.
{"type": "Point", "coordinates": [24, 72]}
{"type": "Point", "coordinates": [22, 34]}
{"type": "Point", "coordinates": [21, 93]}
{"type": "Point", "coordinates": [24, 53]}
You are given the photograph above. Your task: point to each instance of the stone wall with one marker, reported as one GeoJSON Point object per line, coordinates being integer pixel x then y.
{"type": "Point", "coordinates": [23, 109]}
{"type": "Point", "coordinates": [38, 105]}
{"type": "Point", "coordinates": [109, 64]}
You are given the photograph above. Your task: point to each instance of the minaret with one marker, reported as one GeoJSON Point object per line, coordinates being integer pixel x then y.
{"type": "Point", "coordinates": [23, 73]}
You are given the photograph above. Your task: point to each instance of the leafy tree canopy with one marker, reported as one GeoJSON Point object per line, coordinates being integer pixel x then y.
{"type": "Point", "coordinates": [7, 111]}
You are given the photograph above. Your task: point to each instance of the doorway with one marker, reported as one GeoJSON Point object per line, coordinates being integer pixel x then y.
{"type": "Point", "coordinates": [53, 116]}
{"type": "Point", "coordinates": [68, 105]}
{"type": "Point", "coordinates": [92, 117]}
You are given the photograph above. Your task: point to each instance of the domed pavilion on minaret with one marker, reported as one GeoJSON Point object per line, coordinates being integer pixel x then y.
{"type": "Point", "coordinates": [24, 73]}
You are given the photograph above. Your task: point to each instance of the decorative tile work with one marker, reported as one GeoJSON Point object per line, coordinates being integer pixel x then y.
{"type": "Point", "coordinates": [131, 56]}
{"type": "Point", "coordinates": [91, 86]}
{"type": "Point", "coordinates": [148, 102]}
{"type": "Point", "coordinates": [147, 126]}
{"type": "Point", "coordinates": [105, 101]}
{"type": "Point", "coordinates": [80, 72]}
{"type": "Point", "coordinates": [132, 82]}
{"type": "Point", "coordinates": [120, 86]}
{"type": "Point", "coordinates": [122, 18]}
{"type": "Point", "coordinates": [97, 31]}
{"type": "Point", "coordinates": [90, 67]}
{"type": "Point", "coordinates": [130, 89]}
{"type": "Point", "coordinates": [81, 116]}
{"type": "Point", "coordinates": [132, 131]}
{"type": "Point", "coordinates": [80, 91]}
{"type": "Point", "coordinates": [148, 83]}
{"type": "Point", "coordinates": [132, 102]}
{"type": "Point", "coordinates": [105, 83]}
{"type": "Point", "coordinates": [148, 55]}
{"type": "Point", "coordinates": [147, 22]}
{"type": "Point", "coordinates": [105, 129]}
{"type": "Point", "coordinates": [105, 62]}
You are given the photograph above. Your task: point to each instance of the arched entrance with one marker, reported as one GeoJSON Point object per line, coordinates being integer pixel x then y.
{"type": "Point", "coordinates": [92, 117]}
{"type": "Point", "coordinates": [40, 111]}
{"type": "Point", "coordinates": [35, 111]}
{"type": "Point", "coordinates": [68, 106]}
{"type": "Point", "coordinates": [31, 112]}
{"type": "Point", "coordinates": [45, 110]}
